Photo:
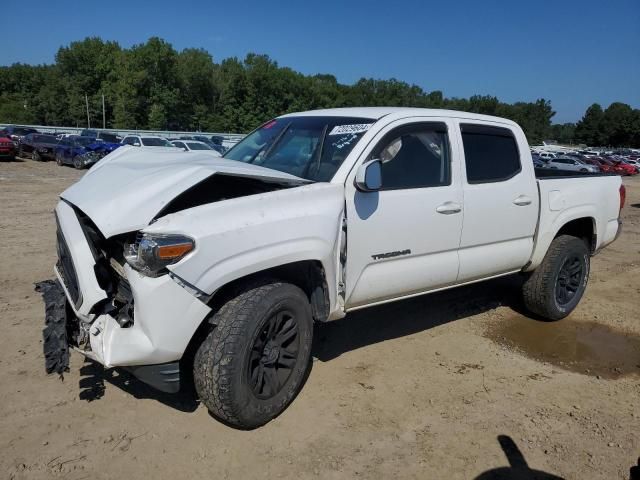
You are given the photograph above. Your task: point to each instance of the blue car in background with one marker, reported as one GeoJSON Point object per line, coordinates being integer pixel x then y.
{"type": "Point", "coordinates": [81, 151]}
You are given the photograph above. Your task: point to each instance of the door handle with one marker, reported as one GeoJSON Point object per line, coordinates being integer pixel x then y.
{"type": "Point", "coordinates": [447, 208]}
{"type": "Point", "coordinates": [522, 200]}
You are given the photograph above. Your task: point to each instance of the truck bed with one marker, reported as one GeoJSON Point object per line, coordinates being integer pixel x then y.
{"type": "Point", "coordinates": [544, 173]}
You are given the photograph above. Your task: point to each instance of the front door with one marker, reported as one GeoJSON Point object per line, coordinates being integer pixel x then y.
{"type": "Point", "coordinates": [404, 238]}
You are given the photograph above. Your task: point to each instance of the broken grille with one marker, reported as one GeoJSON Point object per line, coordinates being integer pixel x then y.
{"type": "Point", "coordinates": [66, 269]}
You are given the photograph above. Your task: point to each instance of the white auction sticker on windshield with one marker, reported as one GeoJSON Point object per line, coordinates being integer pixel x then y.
{"type": "Point", "coordinates": [350, 129]}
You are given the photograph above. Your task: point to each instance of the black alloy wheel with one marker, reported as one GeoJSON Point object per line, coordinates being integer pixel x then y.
{"type": "Point", "coordinates": [273, 355]}
{"type": "Point", "coordinates": [569, 280]}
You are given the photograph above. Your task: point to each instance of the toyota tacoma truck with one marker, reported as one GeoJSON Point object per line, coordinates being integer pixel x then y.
{"type": "Point", "coordinates": [309, 217]}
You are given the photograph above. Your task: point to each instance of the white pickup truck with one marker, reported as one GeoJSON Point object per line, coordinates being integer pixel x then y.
{"type": "Point", "coordinates": [309, 217]}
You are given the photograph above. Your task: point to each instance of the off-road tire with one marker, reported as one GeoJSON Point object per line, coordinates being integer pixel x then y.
{"type": "Point", "coordinates": [222, 362]}
{"type": "Point", "coordinates": [539, 290]}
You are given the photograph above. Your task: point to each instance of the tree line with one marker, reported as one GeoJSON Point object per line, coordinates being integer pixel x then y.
{"type": "Point", "coordinates": [153, 86]}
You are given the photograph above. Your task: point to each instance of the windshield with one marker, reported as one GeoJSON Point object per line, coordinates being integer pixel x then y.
{"type": "Point", "coordinates": [108, 137]}
{"type": "Point", "coordinates": [307, 147]}
{"type": "Point", "coordinates": [155, 142]}
{"type": "Point", "coordinates": [84, 141]}
{"type": "Point", "coordinates": [198, 146]}
{"type": "Point", "coordinates": [23, 131]}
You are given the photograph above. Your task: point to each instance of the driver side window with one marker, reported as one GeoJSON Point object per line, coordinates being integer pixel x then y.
{"type": "Point", "coordinates": [415, 156]}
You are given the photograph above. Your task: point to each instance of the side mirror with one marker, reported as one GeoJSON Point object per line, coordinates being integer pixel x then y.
{"type": "Point", "coordinates": [369, 176]}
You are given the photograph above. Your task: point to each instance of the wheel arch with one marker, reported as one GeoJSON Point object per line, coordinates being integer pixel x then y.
{"type": "Point", "coordinates": [309, 275]}
{"type": "Point", "coordinates": [582, 226]}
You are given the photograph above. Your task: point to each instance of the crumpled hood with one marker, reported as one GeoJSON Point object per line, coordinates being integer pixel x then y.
{"type": "Point", "coordinates": [127, 188]}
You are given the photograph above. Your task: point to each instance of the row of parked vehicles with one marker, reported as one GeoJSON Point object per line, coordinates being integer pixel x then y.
{"type": "Point", "coordinates": [87, 148]}
{"type": "Point", "coordinates": [622, 162]}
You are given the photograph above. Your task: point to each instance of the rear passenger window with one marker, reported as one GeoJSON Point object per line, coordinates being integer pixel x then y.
{"type": "Point", "coordinates": [414, 156]}
{"type": "Point", "coordinates": [490, 153]}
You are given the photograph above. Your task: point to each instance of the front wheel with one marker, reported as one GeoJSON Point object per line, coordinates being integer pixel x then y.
{"type": "Point", "coordinates": [59, 159]}
{"type": "Point", "coordinates": [557, 285]}
{"type": "Point", "coordinates": [77, 162]}
{"type": "Point", "coordinates": [35, 156]}
{"type": "Point", "coordinates": [254, 362]}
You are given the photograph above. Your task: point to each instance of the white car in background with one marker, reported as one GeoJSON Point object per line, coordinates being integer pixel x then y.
{"type": "Point", "coordinates": [572, 164]}
{"type": "Point", "coordinates": [146, 141]}
{"type": "Point", "coordinates": [194, 145]}
{"type": "Point", "coordinates": [546, 156]}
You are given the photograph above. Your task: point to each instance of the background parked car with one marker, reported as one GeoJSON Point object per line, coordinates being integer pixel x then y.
{"type": "Point", "coordinates": [7, 148]}
{"type": "Point", "coordinates": [545, 156]}
{"type": "Point", "coordinates": [537, 162]}
{"type": "Point", "coordinates": [82, 152]}
{"type": "Point", "coordinates": [146, 141]}
{"type": "Point", "coordinates": [101, 136]}
{"type": "Point", "coordinates": [39, 146]}
{"type": "Point", "coordinates": [573, 164]}
{"type": "Point", "coordinates": [193, 145]}
{"type": "Point", "coordinates": [204, 139]}
{"type": "Point", "coordinates": [594, 162]}
{"type": "Point", "coordinates": [625, 168]}
{"type": "Point", "coordinates": [16, 132]}
{"type": "Point", "coordinates": [607, 166]}
{"type": "Point", "coordinates": [635, 163]}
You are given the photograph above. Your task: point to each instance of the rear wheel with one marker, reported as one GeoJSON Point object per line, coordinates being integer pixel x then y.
{"type": "Point", "coordinates": [253, 363]}
{"type": "Point", "coordinates": [35, 156]}
{"type": "Point", "coordinates": [557, 285]}
{"type": "Point", "coordinates": [584, 170]}
{"type": "Point", "coordinates": [59, 159]}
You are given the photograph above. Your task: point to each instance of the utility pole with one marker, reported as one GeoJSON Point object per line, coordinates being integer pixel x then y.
{"type": "Point", "coordinates": [104, 122]}
{"type": "Point", "coordinates": [86, 99]}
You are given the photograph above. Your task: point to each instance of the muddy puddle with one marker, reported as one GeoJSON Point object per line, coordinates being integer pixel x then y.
{"type": "Point", "coordinates": [571, 344]}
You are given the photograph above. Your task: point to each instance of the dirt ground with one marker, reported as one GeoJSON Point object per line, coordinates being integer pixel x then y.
{"type": "Point", "coordinates": [447, 386]}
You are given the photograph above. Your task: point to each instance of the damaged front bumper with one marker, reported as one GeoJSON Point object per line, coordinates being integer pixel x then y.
{"type": "Point", "coordinates": [144, 323]}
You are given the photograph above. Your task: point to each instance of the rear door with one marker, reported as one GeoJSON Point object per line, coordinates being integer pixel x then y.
{"type": "Point", "coordinates": [500, 201]}
{"type": "Point", "coordinates": [404, 238]}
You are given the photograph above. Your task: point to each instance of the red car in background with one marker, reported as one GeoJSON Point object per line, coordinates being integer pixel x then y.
{"type": "Point", "coordinates": [7, 148]}
{"type": "Point", "coordinates": [606, 166]}
{"type": "Point", "coordinates": [622, 167]}
{"type": "Point", "coordinates": [595, 163]}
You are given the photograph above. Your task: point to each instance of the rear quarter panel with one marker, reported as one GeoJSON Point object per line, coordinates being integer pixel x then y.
{"type": "Point", "coordinates": [565, 199]}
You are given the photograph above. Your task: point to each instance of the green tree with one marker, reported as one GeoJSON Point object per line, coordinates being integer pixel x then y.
{"type": "Point", "coordinates": [589, 129]}
{"type": "Point", "coordinates": [151, 85]}
{"type": "Point", "coordinates": [617, 124]}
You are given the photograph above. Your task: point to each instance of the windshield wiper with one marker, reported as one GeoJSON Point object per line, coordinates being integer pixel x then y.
{"type": "Point", "coordinates": [318, 155]}
{"type": "Point", "coordinates": [271, 146]}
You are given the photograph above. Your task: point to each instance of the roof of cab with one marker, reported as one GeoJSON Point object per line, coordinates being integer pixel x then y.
{"type": "Point", "coordinates": [375, 113]}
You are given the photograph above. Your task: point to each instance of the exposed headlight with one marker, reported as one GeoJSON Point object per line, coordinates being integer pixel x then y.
{"type": "Point", "coordinates": [152, 253]}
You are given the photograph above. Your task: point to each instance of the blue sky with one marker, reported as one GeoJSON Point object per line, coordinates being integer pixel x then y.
{"type": "Point", "coordinates": [569, 51]}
